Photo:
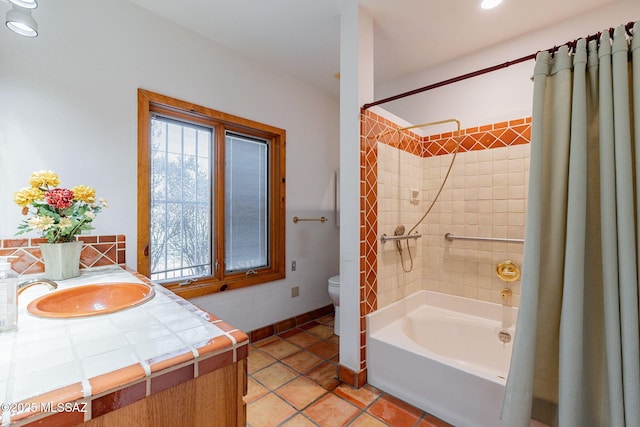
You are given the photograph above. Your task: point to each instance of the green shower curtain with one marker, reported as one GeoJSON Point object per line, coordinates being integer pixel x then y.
{"type": "Point", "coordinates": [576, 355]}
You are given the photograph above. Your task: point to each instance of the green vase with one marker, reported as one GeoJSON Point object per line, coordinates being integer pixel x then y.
{"type": "Point", "coordinates": [61, 260]}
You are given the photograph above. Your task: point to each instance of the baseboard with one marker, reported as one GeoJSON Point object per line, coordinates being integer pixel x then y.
{"type": "Point", "coordinates": [290, 323]}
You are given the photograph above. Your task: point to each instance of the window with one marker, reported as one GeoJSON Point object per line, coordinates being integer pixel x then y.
{"type": "Point", "coordinates": [211, 190]}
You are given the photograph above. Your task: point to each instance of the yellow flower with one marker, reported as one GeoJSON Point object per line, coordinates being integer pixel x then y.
{"type": "Point", "coordinates": [40, 222]}
{"type": "Point", "coordinates": [45, 179]}
{"type": "Point", "coordinates": [64, 223]}
{"type": "Point", "coordinates": [26, 196]}
{"type": "Point", "coordinates": [82, 193]}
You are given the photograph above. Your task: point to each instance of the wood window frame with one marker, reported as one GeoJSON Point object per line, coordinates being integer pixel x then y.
{"type": "Point", "coordinates": [149, 103]}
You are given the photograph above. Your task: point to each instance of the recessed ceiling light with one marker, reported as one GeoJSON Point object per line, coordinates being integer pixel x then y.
{"type": "Point", "coordinates": [490, 4]}
{"type": "Point", "coordinates": [27, 4]}
{"type": "Point", "coordinates": [19, 20]}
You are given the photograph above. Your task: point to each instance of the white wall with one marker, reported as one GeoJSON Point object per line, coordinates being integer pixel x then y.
{"type": "Point", "coordinates": [68, 103]}
{"type": "Point", "coordinates": [501, 95]}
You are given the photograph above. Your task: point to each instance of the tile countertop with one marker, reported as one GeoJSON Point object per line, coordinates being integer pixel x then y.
{"type": "Point", "coordinates": [76, 360]}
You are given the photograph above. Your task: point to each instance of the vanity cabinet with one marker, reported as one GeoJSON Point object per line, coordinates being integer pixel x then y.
{"type": "Point", "coordinates": [212, 400]}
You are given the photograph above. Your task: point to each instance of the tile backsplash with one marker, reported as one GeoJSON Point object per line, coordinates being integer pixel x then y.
{"type": "Point", "coordinates": [97, 251]}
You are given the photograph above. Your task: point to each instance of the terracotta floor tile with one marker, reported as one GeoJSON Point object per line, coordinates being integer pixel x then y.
{"type": "Point", "coordinates": [269, 411]}
{"type": "Point", "coordinates": [366, 420]}
{"type": "Point", "coordinates": [255, 390]}
{"type": "Point", "coordinates": [303, 339]}
{"type": "Point", "coordinates": [298, 421]}
{"type": "Point", "coordinates": [325, 374]}
{"type": "Point", "coordinates": [280, 349]}
{"type": "Point", "coordinates": [258, 360]}
{"type": "Point", "coordinates": [323, 331]}
{"type": "Point", "coordinates": [361, 397]}
{"type": "Point", "coordinates": [300, 392]}
{"type": "Point", "coordinates": [293, 383]}
{"type": "Point", "coordinates": [302, 361]}
{"type": "Point", "coordinates": [275, 375]}
{"type": "Point", "coordinates": [331, 411]}
{"type": "Point", "coordinates": [324, 349]}
{"type": "Point", "coordinates": [289, 333]}
{"type": "Point", "coordinates": [328, 320]}
{"type": "Point", "coordinates": [395, 412]}
{"type": "Point", "coordinates": [266, 341]}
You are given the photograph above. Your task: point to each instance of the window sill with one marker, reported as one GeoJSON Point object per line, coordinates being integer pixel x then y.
{"type": "Point", "coordinates": [212, 286]}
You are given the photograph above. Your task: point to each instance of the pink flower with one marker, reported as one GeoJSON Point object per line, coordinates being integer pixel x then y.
{"type": "Point", "coordinates": [59, 198]}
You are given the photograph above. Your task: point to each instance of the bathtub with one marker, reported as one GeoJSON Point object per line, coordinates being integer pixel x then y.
{"type": "Point", "coordinates": [443, 354]}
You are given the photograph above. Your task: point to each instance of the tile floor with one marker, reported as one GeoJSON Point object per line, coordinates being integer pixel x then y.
{"type": "Point", "coordinates": [292, 383]}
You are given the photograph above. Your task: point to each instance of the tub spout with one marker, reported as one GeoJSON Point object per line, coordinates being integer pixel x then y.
{"type": "Point", "coordinates": [27, 284]}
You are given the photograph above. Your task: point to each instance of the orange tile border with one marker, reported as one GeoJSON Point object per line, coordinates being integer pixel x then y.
{"type": "Point", "coordinates": [214, 362]}
{"type": "Point", "coordinates": [34, 405]}
{"type": "Point", "coordinates": [116, 379]}
{"type": "Point", "coordinates": [172, 378]}
{"type": "Point", "coordinates": [170, 359]}
{"type": "Point", "coordinates": [118, 399]}
{"type": "Point", "coordinates": [213, 346]}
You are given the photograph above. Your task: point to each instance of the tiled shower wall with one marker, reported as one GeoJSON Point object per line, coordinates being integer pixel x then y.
{"type": "Point", "coordinates": [399, 173]}
{"type": "Point", "coordinates": [485, 195]}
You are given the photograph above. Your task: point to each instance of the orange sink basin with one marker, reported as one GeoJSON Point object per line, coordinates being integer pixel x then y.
{"type": "Point", "coordinates": [91, 300]}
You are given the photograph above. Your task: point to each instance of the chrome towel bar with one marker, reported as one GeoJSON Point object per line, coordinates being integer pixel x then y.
{"type": "Point", "coordinates": [297, 220]}
{"type": "Point", "coordinates": [451, 237]}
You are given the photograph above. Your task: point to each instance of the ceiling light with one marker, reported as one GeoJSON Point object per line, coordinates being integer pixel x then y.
{"type": "Point", "coordinates": [27, 4]}
{"type": "Point", "coordinates": [490, 4]}
{"type": "Point", "coordinates": [19, 20]}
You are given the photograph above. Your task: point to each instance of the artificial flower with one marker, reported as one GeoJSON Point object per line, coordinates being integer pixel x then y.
{"type": "Point", "coordinates": [59, 198]}
{"type": "Point", "coordinates": [44, 179]}
{"type": "Point", "coordinates": [27, 196]}
{"type": "Point", "coordinates": [39, 222]}
{"type": "Point", "coordinates": [58, 213]}
{"type": "Point", "coordinates": [83, 193]}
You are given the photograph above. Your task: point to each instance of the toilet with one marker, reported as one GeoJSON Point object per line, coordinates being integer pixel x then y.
{"type": "Point", "coordinates": [334, 293]}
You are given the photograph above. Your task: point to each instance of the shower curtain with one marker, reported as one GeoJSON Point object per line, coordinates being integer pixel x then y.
{"type": "Point", "coordinates": [576, 355]}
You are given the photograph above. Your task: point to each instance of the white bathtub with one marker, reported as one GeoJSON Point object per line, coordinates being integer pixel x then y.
{"type": "Point", "coordinates": [442, 354]}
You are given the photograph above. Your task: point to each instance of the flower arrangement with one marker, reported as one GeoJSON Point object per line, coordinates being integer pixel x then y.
{"type": "Point", "coordinates": [60, 214]}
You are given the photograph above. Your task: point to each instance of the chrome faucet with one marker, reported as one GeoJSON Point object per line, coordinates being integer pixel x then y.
{"type": "Point", "coordinates": [27, 284]}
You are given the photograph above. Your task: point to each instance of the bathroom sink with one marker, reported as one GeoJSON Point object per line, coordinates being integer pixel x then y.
{"type": "Point", "coordinates": [91, 300]}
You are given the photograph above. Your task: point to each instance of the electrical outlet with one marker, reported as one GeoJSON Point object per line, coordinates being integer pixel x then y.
{"type": "Point", "coordinates": [293, 266]}
{"type": "Point", "coordinates": [295, 291]}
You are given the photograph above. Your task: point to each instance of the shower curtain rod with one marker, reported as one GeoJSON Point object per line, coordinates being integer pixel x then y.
{"type": "Point", "coordinates": [571, 44]}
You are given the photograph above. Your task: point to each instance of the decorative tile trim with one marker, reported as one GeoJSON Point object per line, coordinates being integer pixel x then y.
{"type": "Point", "coordinates": [97, 251]}
{"type": "Point", "coordinates": [503, 134]}
{"type": "Point", "coordinates": [374, 129]}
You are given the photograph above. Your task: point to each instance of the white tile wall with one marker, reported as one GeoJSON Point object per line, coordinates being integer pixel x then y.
{"type": "Point", "coordinates": [398, 173]}
{"type": "Point", "coordinates": [485, 195]}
